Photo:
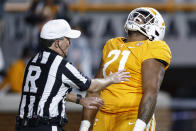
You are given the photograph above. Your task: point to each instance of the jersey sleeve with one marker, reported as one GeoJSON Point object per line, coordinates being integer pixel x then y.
{"type": "Point", "coordinates": [74, 78]}
{"type": "Point", "coordinates": [158, 50]}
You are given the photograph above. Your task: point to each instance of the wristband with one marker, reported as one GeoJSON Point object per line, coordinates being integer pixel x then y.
{"type": "Point", "coordinates": [84, 126]}
{"type": "Point", "coordinates": [78, 98]}
{"type": "Point", "coordinates": [139, 125]}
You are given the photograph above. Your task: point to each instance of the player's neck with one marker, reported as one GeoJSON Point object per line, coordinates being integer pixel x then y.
{"type": "Point", "coordinates": [135, 36]}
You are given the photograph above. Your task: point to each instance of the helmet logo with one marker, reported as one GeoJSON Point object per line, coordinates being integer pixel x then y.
{"type": "Point", "coordinates": [153, 12]}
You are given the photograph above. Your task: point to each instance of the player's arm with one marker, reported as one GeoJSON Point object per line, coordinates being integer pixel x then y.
{"type": "Point", "coordinates": [152, 75]}
{"type": "Point", "coordinates": [88, 115]}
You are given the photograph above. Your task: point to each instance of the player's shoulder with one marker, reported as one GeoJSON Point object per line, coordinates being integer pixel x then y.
{"type": "Point", "coordinates": [158, 44]}
{"type": "Point", "coordinates": [116, 39]}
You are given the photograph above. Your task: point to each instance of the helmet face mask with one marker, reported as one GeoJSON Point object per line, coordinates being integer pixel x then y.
{"type": "Point", "coordinates": [147, 21]}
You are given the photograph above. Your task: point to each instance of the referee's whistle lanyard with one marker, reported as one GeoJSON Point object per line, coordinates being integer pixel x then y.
{"type": "Point", "coordinates": [61, 50]}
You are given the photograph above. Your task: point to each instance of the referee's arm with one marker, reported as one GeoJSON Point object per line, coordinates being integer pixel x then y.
{"type": "Point", "coordinates": [88, 102]}
{"type": "Point", "coordinates": [99, 84]}
{"type": "Point", "coordinates": [75, 79]}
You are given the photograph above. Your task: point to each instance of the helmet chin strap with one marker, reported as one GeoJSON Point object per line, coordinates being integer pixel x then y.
{"type": "Point", "coordinates": [61, 50]}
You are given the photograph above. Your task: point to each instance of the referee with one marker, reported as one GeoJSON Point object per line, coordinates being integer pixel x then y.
{"type": "Point", "coordinates": [48, 81]}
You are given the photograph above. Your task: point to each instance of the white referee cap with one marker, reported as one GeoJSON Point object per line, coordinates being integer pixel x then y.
{"type": "Point", "coordinates": [58, 28]}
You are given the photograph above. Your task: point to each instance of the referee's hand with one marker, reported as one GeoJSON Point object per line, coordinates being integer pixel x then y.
{"type": "Point", "coordinates": [119, 76]}
{"type": "Point", "coordinates": [91, 102]}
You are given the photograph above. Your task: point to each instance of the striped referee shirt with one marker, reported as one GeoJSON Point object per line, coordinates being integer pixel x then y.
{"type": "Point", "coordinates": [47, 79]}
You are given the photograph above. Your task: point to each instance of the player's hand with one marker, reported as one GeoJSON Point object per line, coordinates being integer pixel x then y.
{"type": "Point", "coordinates": [91, 102]}
{"type": "Point", "coordinates": [119, 76]}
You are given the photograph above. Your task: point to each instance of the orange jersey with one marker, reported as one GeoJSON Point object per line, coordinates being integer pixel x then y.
{"type": "Point", "coordinates": [117, 55]}
{"type": "Point", "coordinates": [14, 76]}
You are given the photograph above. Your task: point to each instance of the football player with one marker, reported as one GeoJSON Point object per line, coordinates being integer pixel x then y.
{"type": "Point", "coordinates": [130, 105]}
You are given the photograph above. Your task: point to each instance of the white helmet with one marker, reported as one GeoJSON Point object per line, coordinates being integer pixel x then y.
{"type": "Point", "coordinates": [154, 26]}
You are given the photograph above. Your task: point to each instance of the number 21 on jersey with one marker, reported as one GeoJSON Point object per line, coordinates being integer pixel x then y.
{"type": "Point", "coordinates": [116, 54]}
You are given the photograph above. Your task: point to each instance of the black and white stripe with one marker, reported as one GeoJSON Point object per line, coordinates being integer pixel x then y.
{"type": "Point", "coordinates": [47, 80]}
